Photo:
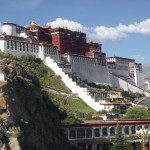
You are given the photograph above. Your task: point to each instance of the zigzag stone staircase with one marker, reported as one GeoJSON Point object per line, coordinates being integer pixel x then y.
{"type": "Point", "coordinates": [82, 92]}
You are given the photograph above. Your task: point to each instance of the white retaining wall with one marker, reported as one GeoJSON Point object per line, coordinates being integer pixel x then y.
{"type": "Point", "coordinates": [117, 82]}
{"type": "Point", "coordinates": [82, 92]}
{"type": "Point", "coordinates": [91, 72]}
{"type": "Point", "coordinates": [140, 80]}
{"type": "Point", "coordinates": [2, 76]}
{"type": "Point", "coordinates": [119, 72]}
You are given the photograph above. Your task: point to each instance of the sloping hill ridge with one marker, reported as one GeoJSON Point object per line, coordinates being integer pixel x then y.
{"type": "Point", "coordinates": [31, 116]}
{"type": "Point", "coordinates": [29, 108]}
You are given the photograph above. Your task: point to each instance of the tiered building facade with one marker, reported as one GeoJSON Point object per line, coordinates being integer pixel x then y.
{"type": "Point", "coordinates": [98, 135]}
{"type": "Point", "coordinates": [67, 52]}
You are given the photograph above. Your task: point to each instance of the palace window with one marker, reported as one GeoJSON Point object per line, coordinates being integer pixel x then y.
{"type": "Point", "coordinates": [112, 131]}
{"type": "Point", "coordinates": [80, 133]}
{"type": "Point", "coordinates": [139, 127]}
{"type": "Point", "coordinates": [7, 44]}
{"type": "Point", "coordinates": [27, 47]}
{"type": "Point", "coordinates": [104, 132]}
{"type": "Point", "coordinates": [72, 134]}
{"type": "Point", "coordinates": [15, 45]}
{"type": "Point", "coordinates": [23, 46]}
{"type": "Point", "coordinates": [31, 48]}
{"type": "Point", "coordinates": [97, 132]}
{"type": "Point", "coordinates": [126, 129]}
{"type": "Point", "coordinates": [88, 133]}
{"type": "Point", "coordinates": [37, 48]}
{"type": "Point", "coordinates": [34, 48]}
{"type": "Point", "coordinates": [11, 45]}
{"type": "Point", "coordinates": [20, 46]}
{"type": "Point", "coordinates": [133, 131]}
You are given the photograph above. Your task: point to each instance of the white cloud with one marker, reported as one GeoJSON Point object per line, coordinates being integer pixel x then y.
{"type": "Point", "coordinates": [105, 33]}
{"type": "Point", "coordinates": [64, 23]}
{"type": "Point", "coordinates": [138, 58]}
{"type": "Point", "coordinates": [142, 27]}
{"type": "Point", "coordinates": [99, 33]}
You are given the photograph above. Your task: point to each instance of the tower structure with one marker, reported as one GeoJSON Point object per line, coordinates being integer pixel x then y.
{"type": "Point", "coordinates": [69, 41]}
{"type": "Point", "coordinates": [41, 33]}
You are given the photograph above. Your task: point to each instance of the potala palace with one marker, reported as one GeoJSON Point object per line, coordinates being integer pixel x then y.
{"type": "Point", "coordinates": [67, 52]}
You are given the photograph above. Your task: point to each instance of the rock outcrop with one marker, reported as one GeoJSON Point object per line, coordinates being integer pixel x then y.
{"type": "Point", "coordinates": [29, 120]}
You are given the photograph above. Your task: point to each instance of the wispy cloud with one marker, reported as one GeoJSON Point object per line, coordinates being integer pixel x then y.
{"type": "Point", "coordinates": [64, 23]}
{"type": "Point", "coordinates": [138, 58]}
{"type": "Point", "coordinates": [99, 33]}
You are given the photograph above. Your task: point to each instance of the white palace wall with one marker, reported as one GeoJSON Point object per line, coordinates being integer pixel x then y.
{"type": "Point", "coordinates": [2, 76]}
{"type": "Point", "coordinates": [2, 45]}
{"type": "Point", "coordinates": [82, 92]}
{"type": "Point", "coordinates": [88, 69]}
{"type": "Point", "coordinates": [140, 80]}
{"type": "Point", "coordinates": [118, 82]}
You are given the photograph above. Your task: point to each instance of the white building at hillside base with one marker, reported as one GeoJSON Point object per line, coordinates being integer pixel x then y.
{"type": "Point", "coordinates": [94, 67]}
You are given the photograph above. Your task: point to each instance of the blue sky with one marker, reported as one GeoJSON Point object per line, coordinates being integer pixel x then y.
{"type": "Point", "coordinates": [122, 26]}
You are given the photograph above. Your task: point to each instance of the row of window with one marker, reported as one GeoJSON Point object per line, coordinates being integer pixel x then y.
{"type": "Point", "coordinates": [64, 66]}
{"type": "Point", "coordinates": [111, 66]}
{"type": "Point", "coordinates": [122, 61]}
{"type": "Point", "coordinates": [13, 45]}
{"type": "Point", "coordinates": [82, 59]}
{"type": "Point", "coordinates": [121, 67]}
{"type": "Point", "coordinates": [50, 50]}
{"type": "Point", "coordinates": [99, 96]}
{"type": "Point", "coordinates": [118, 67]}
{"type": "Point", "coordinates": [101, 132]}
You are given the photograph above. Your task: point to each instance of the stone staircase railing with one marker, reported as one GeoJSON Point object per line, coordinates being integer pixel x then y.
{"type": "Point", "coordinates": [82, 92]}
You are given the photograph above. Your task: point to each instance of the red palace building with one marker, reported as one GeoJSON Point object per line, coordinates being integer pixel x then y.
{"type": "Point", "coordinates": [67, 41]}
{"type": "Point", "coordinates": [42, 34]}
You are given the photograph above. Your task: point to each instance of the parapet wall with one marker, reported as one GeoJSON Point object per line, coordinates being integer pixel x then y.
{"type": "Point", "coordinates": [120, 83]}
{"type": "Point", "coordinates": [91, 72]}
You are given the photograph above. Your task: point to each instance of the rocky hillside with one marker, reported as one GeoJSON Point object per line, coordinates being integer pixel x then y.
{"type": "Point", "coordinates": [28, 118]}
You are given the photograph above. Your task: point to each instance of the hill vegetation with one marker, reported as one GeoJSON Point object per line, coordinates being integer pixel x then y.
{"type": "Point", "coordinates": [137, 112]}
{"type": "Point", "coordinates": [30, 109]}
{"type": "Point", "coordinates": [36, 67]}
{"type": "Point", "coordinates": [35, 112]}
{"type": "Point", "coordinates": [75, 108]}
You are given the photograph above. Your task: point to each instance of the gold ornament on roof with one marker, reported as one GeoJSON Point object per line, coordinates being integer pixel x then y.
{"type": "Point", "coordinates": [34, 23]}
{"type": "Point", "coordinates": [47, 26]}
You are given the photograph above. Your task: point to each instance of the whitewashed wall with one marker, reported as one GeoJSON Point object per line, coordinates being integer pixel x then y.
{"type": "Point", "coordinates": [140, 80]}
{"type": "Point", "coordinates": [91, 72]}
{"type": "Point", "coordinates": [119, 72]}
{"type": "Point", "coordinates": [9, 29]}
{"type": "Point", "coordinates": [2, 76]}
{"type": "Point", "coordinates": [148, 84]}
{"type": "Point", "coordinates": [2, 45]}
{"type": "Point", "coordinates": [117, 82]}
{"type": "Point", "coordinates": [82, 92]}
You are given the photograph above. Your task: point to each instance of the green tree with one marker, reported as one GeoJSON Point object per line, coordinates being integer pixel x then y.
{"type": "Point", "coordinates": [114, 110]}
{"type": "Point", "coordinates": [120, 141]}
{"type": "Point", "coordinates": [135, 95]}
{"type": "Point", "coordinates": [136, 112]}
